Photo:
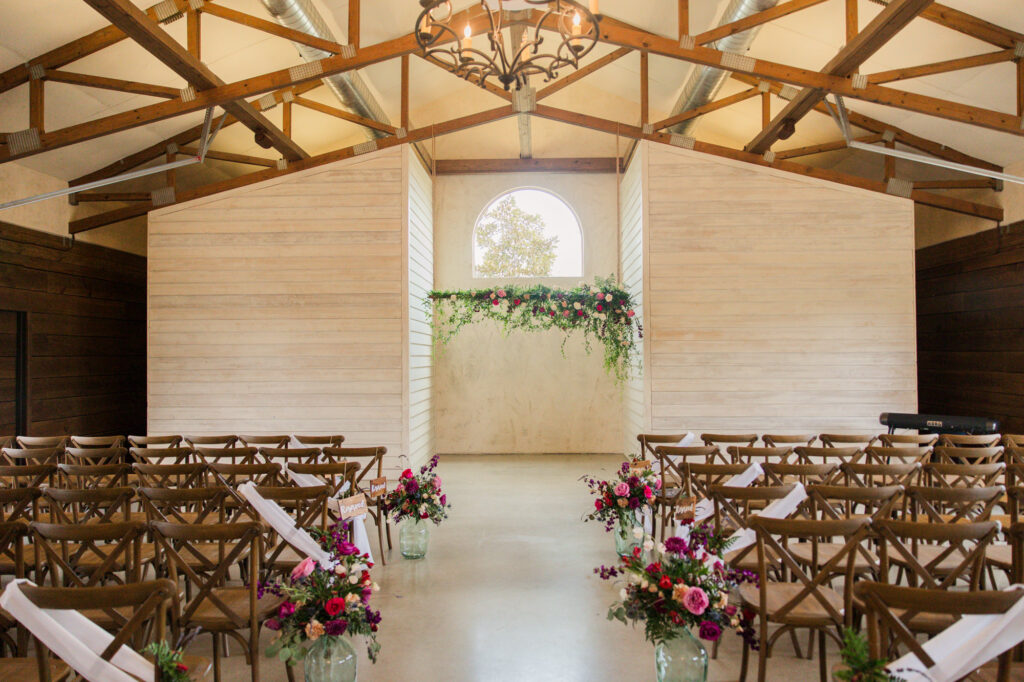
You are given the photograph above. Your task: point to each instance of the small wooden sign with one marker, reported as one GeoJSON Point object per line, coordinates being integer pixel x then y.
{"type": "Point", "coordinates": [640, 464]}
{"type": "Point", "coordinates": [686, 508]}
{"type": "Point", "coordinates": [378, 487]}
{"type": "Point", "coordinates": [353, 506]}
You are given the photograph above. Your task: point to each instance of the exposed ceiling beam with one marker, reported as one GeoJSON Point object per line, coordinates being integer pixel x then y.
{"type": "Point", "coordinates": [968, 24]}
{"type": "Point", "coordinates": [583, 72]}
{"type": "Point", "coordinates": [754, 20]}
{"type": "Point", "coordinates": [147, 33]}
{"type": "Point", "coordinates": [415, 135]}
{"type": "Point", "coordinates": [557, 165]}
{"type": "Point", "coordinates": [271, 27]}
{"type": "Point", "coordinates": [488, 86]}
{"type": "Point", "coordinates": [616, 128]}
{"type": "Point", "coordinates": [936, 149]}
{"type": "Point", "coordinates": [822, 147]}
{"type": "Point", "coordinates": [115, 84]}
{"type": "Point", "coordinates": [313, 105]}
{"type": "Point", "coordinates": [941, 67]}
{"type": "Point", "coordinates": [246, 159]}
{"type": "Point", "coordinates": [88, 197]}
{"type": "Point", "coordinates": [706, 108]}
{"type": "Point", "coordinates": [890, 21]}
{"type": "Point", "coordinates": [979, 183]}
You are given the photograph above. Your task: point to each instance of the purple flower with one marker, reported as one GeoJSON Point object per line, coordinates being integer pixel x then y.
{"type": "Point", "coordinates": [675, 545]}
{"type": "Point", "coordinates": [633, 481]}
{"type": "Point", "coordinates": [412, 486]}
{"type": "Point", "coordinates": [335, 628]}
{"type": "Point", "coordinates": [710, 631]}
{"type": "Point", "coordinates": [347, 548]}
{"type": "Point", "coordinates": [272, 624]}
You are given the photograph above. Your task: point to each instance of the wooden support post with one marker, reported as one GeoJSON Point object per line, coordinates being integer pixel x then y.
{"type": "Point", "coordinates": [286, 118]}
{"type": "Point", "coordinates": [766, 109]}
{"type": "Point", "coordinates": [195, 33]}
{"type": "Point", "coordinates": [1020, 87]}
{"type": "Point", "coordinates": [684, 18]}
{"type": "Point", "coordinates": [645, 99]}
{"type": "Point", "coordinates": [36, 104]}
{"type": "Point", "coordinates": [405, 92]}
{"type": "Point", "coordinates": [890, 162]}
{"type": "Point", "coordinates": [353, 23]}
{"type": "Point", "coordinates": [852, 22]}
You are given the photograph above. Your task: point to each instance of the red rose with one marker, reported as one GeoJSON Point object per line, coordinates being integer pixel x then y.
{"type": "Point", "coordinates": [552, 313]}
{"type": "Point", "coordinates": [599, 307]}
{"type": "Point", "coordinates": [334, 606]}
{"type": "Point", "coordinates": [407, 473]}
{"type": "Point", "coordinates": [181, 668]}
{"type": "Point", "coordinates": [598, 504]}
{"type": "Point", "coordinates": [580, 313]}
{"type": "Point", "coordinates": [665, 583]}
{"type": "Point", "coordinates": [516, 302]}
{"type": "Point", "coordinates": [631, 313]}
{"type": "Point", "coordinates": [495, 301]}
{"type": "Point", "coordinates": [636, 551]}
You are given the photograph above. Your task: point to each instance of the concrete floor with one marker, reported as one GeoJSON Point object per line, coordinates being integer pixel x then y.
{"type": "Point", "coordinates": [507, 593]}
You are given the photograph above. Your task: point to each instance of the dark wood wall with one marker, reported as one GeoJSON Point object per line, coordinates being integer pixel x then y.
{"type": "Point", "coordinates": [970, 325]}
{"type": "Point", "coordinates": [83, 335]}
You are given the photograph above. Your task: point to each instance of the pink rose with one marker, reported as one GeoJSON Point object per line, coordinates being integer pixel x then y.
{"type": "Point", "coordinates": [565, 314]}
{"type": "Point", "coordinates": [621, 489]}
{"type": "Point", "coordinates": [657, 484]}
{"type": "Point", "coordinates": [695, 601]}
{"type": "Point", "coordinates": [600, 297]}
{"type": "Point", "coordinates": [501, 293]}
{"type": "Point", "coordinates": [648, 493]}
{"type": "Point", "coordinates": [437, 481]}
{"type": "Point", "coordinates": [631, 313]}
{"type": "Point", "coordinates": [304, 568]}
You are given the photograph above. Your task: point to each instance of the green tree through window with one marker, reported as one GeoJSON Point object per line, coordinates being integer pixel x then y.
{"type": "Point", "coordinates": [512, 242]}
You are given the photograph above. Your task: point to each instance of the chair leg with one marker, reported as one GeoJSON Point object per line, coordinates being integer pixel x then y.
{"type": "Point", "coordinates": [254, 654]}
{"type": "Point", "coordinates": [822, 658]}
{"type": "Point", "coordinates": [744, 662]}
{"type": "Point", "coordinates": [762, 654]}
{"type": "Point", "coordinates": [387, 529]}
{"type": "Point", "coordinates": [796, 644]}
{"type": "Point", "coordinates": [216, 657]}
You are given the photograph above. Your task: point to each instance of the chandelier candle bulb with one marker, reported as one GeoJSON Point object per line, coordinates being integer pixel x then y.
{"type": "Point", "coordinates": [467, 38]}
{"type": "Point", "coordinates": [577, 26]}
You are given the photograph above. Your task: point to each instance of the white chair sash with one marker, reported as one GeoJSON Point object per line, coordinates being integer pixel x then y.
{"type": "Point", "coordinates": [76, 640]}
{"type": "Point", "coordinates": [966, 645]}
{"type": "Point", "coordinates": [779, 509]}
{"type": "Point", "coordinates": [706, 508]}
{"type": "Point", "coordinates": [284, 525]}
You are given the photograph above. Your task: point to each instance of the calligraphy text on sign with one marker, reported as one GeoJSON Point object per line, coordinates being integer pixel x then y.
{"type": "Point", "coordinates": [640, 464]}
{"type": "Point", "coordinates": [378, 487]}
{"type": "Point", "coordinates": [686, 509]}
{"type": "Point", "coordinates": [352, 506]}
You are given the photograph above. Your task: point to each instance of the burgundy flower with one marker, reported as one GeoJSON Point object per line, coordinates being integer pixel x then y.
{"type": "Point", "coordinates": [286, 609]}
{"type": "Point", "coordinates": [335, 628]}
{"type": "Point", "coordinates": [710, 631]}
{"type": "Point", "coordinates": [272, 624]}
{"type": "Point", "coordinates": [634, 502]}
{"type": "Point", "coordinates": [675, 545]}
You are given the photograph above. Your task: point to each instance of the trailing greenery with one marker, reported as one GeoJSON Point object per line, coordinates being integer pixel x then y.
{"type": "Point", "coordinates": [604, 311]}
{"type": "Point", "coordinates": [169, 661]}
{"type": "Point", "coordinates": [860, 666]}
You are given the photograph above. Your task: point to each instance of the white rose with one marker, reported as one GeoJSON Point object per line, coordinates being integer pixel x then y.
{"type": "Point", "coordinates": [648, 545]}
{"type": "Point", "coordinates": [643, 584]}
{"type": "Point", "coordinates": [339, 570]}
{"type": "Point", "coordinates": [638, 532]}
{"type": "Point", "coordinates": [577, 305]}
{"type": "Point", "coordinates": [623, 594]}
{"type": "Point", "coordinates": [353, 579]}
{"type": "Point", "coordinates": [602, 316]}
{"type": "Point", "coordinates": [661, 547]}
{"type": "Point", "coordinates": [608, 297]}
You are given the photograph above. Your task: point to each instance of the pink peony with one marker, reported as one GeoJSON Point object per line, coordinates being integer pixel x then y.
{"type": "Point", "coordinates": [437, 481]}
{"type": "Point", "coordinates": [648, 493]}
{"type": "Point", "coordinates": [695, 601]}
{"type": "Point", "coordinates": [621, 489]}
{"type": "Point", "coordinates": [657, 484]}
{"type": "Point", "coordinates": [304, 568]}
{"type": "Point", "coordinates": [407, 473]}
{"type": "Point", "coordinates": [501, 293]}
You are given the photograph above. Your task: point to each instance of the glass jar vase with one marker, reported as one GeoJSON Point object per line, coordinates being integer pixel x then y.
{"type": "Point", "coordinates": [681, 659]}
{"type": "Point", "coordinates": [331, 659]}
{"type": "Point", "coordinates": [624, 538]}
{"type": "Point", "coordinates": [413, 537]}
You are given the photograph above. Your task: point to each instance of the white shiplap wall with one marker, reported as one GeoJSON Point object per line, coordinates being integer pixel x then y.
{"type": "Point", "coordinates": [421, 281]}
{"type": "Point", "coordinates": [281, 307]}
{"type": "Point", "coordinates": [774, 302]}
{"type": "Point", "coordinates": [632, 215]}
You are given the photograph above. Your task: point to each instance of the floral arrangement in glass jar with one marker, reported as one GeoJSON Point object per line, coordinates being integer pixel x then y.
{"type": "Point", "coordinates": [418, 496]}
{"type": "Point", "coordinates": [170, 661]}
{"type": "Point", "coordinates": [687, 587]}
{"type": "Point", "coordinates": [324, 601]}
{"type": "Point", "coordinates": [619, 500]}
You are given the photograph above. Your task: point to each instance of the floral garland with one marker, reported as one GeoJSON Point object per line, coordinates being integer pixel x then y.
{"type": "Point", "coordinates": [604, 311]}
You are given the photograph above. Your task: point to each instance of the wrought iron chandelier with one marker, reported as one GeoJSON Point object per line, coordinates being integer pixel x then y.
{"type": "Point", "coordinates": [510, 63]}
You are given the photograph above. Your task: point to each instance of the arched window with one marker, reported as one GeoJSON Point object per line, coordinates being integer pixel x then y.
{"type": "Point", "coordinates": [527, 233]}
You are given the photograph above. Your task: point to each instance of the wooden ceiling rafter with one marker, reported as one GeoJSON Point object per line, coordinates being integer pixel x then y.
{"type": "Point", "coordinates": [270, 27]}
{"type": "Point", "coordinates": [754, 20]}
{"type": "Point", "coordinates": [946, 66]}
{"type": "Point", "coordinates": [714, 105]}
{"type": "Point", "coordinates": [115, 84]}
{"type": "Point", "coordinates": [416, 135]}
{"type": "Point", "coordinates": [879, 31]}
{"type": "Point", "coordinates": [155, 40]}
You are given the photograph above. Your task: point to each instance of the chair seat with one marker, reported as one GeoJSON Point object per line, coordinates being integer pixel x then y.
{"type": "Point", "coordinates": [749, 562]}
{"type": "Point", "coordinates": [827, 550]}
{"type": "Point", "coordinates": [209, 616]}
{"type": "Point", "coordinates": [28, 669]}
{"type": "Point", "coordinates": [808, 613]}
{"type": "Point", "coordinates": [928, 553]}
{"type": "Point", "coordinates": [210, 552]}
{"type": "Point", "coordinates": [1000, 556]}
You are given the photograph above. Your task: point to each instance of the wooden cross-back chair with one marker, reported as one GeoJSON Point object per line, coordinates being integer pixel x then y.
{"type": "Point", "coordinates": [6, 441]}
{"type": "Point", "coordinates": [89, 505]}
{"type": "Point", "coordinates": [649, 442]}
{"type": "Point", "coordinates": [26, 475]}
{"type": "Point", "coordinates": [846, 440]}
{"type": "Point", "coordinates": [826, 455]}
{"type": "Point", "coordinates": [774, 440]}
{"type": "Point", "coordinates": [30, 456]}
{"type": "Point", "coordinates": [86, 476]}
{"type": "Point", "coordinates": [265, 441]}
{"type": "Point", "coordinates": [35, 442]}
{"type": "Point", "coordinates": [699, 454]}
{"type": "Point", "coordinates": [340, 476]}
{"type": "Point", "coordinates": [95, 455]}
{"type": "Point", "coordinates": [951, 505]}
{"type": "Point", "coordinates": [893, 454]}
{"type": "Point", "coordinates": [169, 455]}
{"type": "Point", "coordinates": [372, 461]}
{"type": "Point", "coordinates": [216, 607]}
{"type": "Point", "coordinates": [155, 442]}
{"type": "Point", "coordinates": [729, 439]}
{"type": "Point", "coordinates": [749, 455]}
{"type": "Point", "coordinates": [19, 504]}
{"type": "Point", "coordinates": [703, 477]}
{"type": "Point", "coordinates": [908, 440]}
{"type": "Point", "coordinates": [307, 507]}
{"type": "Point", "coordinates": [233, 475]}
{"type": "Point", "coordinates": [809, 601]}
{"type": "Point", "coordinates": [233, 455]}
{"type": "Point", "coordinates": [948, 475]}
{"type": "Point", "coordinates": [143, 608]}
{"type": "Point", "coordinates": [968, 455]}
{"type": "Point", "coordinates": [675, 486]}
{"type": "Point", "coordinates": [807, 474]}
{"type": "Point", "coordinates": [290, 456]}
{"type": "Point", "coordinates": [171, 475]}
{"type": "Point", "coordinates": [96, 441]}
{"type": "Point", "coordinates": [889, 609]}
{"type": "Point", "coordinates": [872, 475]}
{"type": "Point", "coordinates": [82, 556]}
{"type": "Point", "coordinates": [733, 509]}
{"type": "Point", "coordinates": [12, 563]}
{"type": "Point", "coordinates": [321, 441]}
{"type": "Point", "coordinates": [211, 442]}
{"type": "Point", "coordinates": [983, 440]}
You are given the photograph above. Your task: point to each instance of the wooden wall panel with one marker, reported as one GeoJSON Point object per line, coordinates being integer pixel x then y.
{"type": "Point", "coordinates": [971, 326]}
{"type": "Point", "coordinates": [86, 315]}
{"type": "Point", "coordinates": [281, 307]}
{"type": "Point", "coordinates": [420, 283]}
{"type": "Point", "coordinates": [774, 303]}
{"type": "Point", "coordinates": [632, 216]}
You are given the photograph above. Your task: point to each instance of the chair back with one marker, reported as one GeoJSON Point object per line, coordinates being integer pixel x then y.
{"type": "Point", "coordinates": [919, 440]}
{"type": "Point", "coordinates": [951, 505]}
{"type": "Point", "coordinates": [184, 505]}
{"type": "Point", "coordinates": [334, 474]}
{"type": "Point", "coordinates": [845, 440]}
{"type": "Point", "coordinates": [95, 455]}
{"type": "Point", "coordinates": [89, 505]}
{"type": "Point", "coordinates": [702, 477]}
{"type": "Point", "coordinates": [234, 475]}
{"type": "Point", "coordinates": [946, 475]}
{"type": "Point", "coordinates": [232, 455]}
{"type": "Point", "coordinates": [26, 475]}
{"type": "Point", "coordinates": [968, 454]}
{"type": "Point", "coordinates": [19, 504]}
{"type": "Point", "coordinates": [307, 506]}
{"type": "Point", "coordinates": [371, 459]}
{"type": "Point", "coordinates": [749, 455]}
{"type": "Point", "coordinates": [95, 475]}
{"type": "Point", "coordinates": [727, 439]}
{"type": "Point", "coordinates": [871, 475]}
{"type": "Point", "coordinates": [154, 441]}
{"type": "Point", "coordinates": [321, 441]}
{"type": "Point", "coordinates": [843, 502]}
{"type": "Point", "coordinates": [774, 440]}
{"type": "Point", "coordinates": [168, 455]}
{"type": "Point", "coordinates": [225, 441]}
{"type": "Point", "coordinates": [807, 474]}
{"type": "Point", "coordinates": [650, 441]}
{"type": "Point", "coordinates": [171, 475]}
{"type": "Point", "coordinates": [22, 456]}
{"type": "Point", "coordinates": [34, 442]}
{"type": "Point", "coordinates": [289, 456]}
{"type": "Point", "coordinates": [97, 441]}
{"type": "Point", "coordinates": [892, 454]}
{"type": "Point", "coordinates": [265, 441]}
{"type": "Point", "coordinates": [83, 555]}
{"type": "Point", "coordinates": [811, 455]}
{"type": "Point", "coordinates": [958, 551]}
{"type": "Point", "coordinates": [983, 440]}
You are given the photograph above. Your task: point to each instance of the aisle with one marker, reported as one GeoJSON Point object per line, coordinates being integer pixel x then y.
{"type": "Point", "coordinates": [507, 593]}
